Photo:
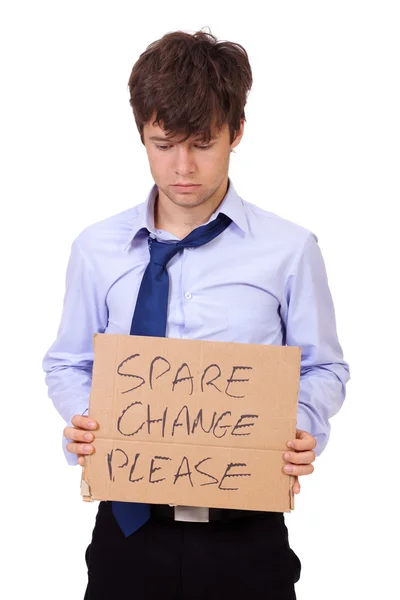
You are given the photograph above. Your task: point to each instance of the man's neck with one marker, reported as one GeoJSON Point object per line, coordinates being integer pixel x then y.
{"type": "Point", "coordinates": [180, 220]}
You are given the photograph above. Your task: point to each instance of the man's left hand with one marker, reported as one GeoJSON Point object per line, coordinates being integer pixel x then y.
{"type": "Point", "coordinates": [299, 458]}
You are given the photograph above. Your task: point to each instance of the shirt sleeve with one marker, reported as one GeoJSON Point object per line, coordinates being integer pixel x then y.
{"type": "Point", "coordinates": [69, 361]}
{"type": "Point", "coordinates": [311, 324]}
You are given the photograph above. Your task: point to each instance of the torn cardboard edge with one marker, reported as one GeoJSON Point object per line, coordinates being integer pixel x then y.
{"type": "Point", "coordinates": [85, 489]}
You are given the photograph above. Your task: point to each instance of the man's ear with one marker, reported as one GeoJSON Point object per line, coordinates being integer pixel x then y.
{"type": "Point", "coordinates": [238, 135]}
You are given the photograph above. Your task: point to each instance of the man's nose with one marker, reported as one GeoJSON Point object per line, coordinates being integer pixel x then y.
{"type": "Point", "coordinates": [184, 162]}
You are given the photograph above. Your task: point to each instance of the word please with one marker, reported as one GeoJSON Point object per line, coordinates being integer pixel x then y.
{"type": "Point", "coordinates": [142, 470]}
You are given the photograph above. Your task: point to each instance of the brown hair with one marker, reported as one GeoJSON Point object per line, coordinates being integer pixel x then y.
{"type": "Point", "coordinates": [191, 83]}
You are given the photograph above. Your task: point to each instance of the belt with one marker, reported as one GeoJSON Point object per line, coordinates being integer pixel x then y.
{"type": "Point", "coordinates": [165, 511]}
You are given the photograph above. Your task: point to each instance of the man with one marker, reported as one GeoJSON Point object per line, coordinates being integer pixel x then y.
{"type": "Point", "coordinates": [195, 261]}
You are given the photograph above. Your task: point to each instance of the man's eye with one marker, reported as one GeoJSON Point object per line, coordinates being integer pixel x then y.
{"type": "Point", "coordinates": [161, 147]}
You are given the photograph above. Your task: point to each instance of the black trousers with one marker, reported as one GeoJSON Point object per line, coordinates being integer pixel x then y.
{"type": "Point", "coordinates": [246, 558]}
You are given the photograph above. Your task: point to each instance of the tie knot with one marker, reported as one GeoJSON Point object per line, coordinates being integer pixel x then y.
{"type": "Point", "coordinates": [161, 252]}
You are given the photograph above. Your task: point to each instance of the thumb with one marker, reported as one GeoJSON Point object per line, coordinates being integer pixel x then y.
{"type": "Point", "coordinates": [296, 485]}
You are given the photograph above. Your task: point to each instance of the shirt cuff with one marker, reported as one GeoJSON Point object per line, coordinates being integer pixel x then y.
{"type": "Point", "coordinates": [304, 423]}
{"type": "Point", "coordinates": [71, 458]}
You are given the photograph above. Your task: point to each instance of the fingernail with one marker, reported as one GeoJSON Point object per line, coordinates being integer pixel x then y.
{"type": "Point", "coordinates": [290, 444]}
{"type": "Point", "coordinates": [86, 449]}
{"type": "Point", "coordinates": [91, 424]}
{"type": "Point", "coordinates": [88, 437]}
{"type": "Point", "coordinates": [288, 468]}
{"type": "Point", "coordinates": [286, 456]}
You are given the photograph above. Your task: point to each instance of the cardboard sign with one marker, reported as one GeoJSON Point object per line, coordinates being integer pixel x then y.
{"type": "Point", "coordinates": [192, 423]}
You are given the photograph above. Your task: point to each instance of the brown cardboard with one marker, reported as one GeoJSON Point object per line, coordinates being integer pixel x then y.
{"type": "Point", "coordinates": [191, 422]}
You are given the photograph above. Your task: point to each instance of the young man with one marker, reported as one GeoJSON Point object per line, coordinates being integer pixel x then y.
{"type": "Point", "coordinates": [195, 261]}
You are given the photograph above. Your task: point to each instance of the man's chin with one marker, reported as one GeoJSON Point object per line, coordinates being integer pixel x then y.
{"type": "Point", "coordinates": [186, 199]}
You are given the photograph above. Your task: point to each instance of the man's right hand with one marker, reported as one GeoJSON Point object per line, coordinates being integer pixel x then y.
{"type": "Point", "coordinates": [81, 436]}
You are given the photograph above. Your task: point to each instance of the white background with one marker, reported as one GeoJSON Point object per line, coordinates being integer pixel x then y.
{"type": "Point", "coordinates": [321, 148]}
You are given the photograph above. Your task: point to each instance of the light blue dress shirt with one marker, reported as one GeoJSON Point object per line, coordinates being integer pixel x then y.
{"type": "Point", "coordinates": [262, 281]}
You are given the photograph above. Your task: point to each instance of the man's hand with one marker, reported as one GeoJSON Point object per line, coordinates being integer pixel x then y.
{"type": "Point", "coordinates": [80, 434]}
{"type": "Point", "coordinates": [300, 458]}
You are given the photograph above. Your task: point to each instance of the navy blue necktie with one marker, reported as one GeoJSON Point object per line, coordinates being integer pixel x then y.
{"type": "Point", "coordinates": [150, 318]}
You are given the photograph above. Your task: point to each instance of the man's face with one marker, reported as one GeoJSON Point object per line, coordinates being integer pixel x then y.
{"type": "Point", "coordinates": [189, 162]}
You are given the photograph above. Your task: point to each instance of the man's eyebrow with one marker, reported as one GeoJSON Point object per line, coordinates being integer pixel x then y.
{"type": "Point", "coordinates": [157, 138]}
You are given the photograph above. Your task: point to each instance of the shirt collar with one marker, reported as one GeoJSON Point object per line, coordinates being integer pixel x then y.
{"type": "Point", "coordinates": [231, 206]}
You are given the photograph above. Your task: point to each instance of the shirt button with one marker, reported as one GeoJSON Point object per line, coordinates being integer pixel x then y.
{"type": "Point", "coordinates": [188, 295]}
